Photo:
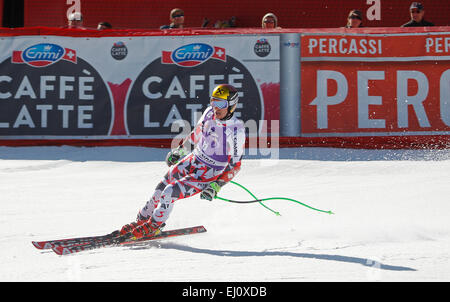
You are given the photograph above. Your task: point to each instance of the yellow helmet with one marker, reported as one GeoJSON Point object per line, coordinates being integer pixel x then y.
{"type": "Point", "coordinates": [227, 93]}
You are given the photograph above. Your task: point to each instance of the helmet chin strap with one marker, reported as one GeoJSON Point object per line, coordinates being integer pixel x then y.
{"type": "Point", "coordinates": [229, 114]}
{"type": "Point", "coordinates": [227, 117]}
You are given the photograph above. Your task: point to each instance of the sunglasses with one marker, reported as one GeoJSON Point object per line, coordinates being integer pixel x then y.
{"type": "Point", "coordinates": [177, 16]}
{"type": "Point", "coordinates": [218, 103]}
{"type": "Point", "coordinates": [415, 11]}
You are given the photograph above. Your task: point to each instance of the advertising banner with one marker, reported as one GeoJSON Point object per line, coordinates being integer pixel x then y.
{"type": "Point", "coordinates": [55, 87]}
{"type": "Point", "coordinates": [375, 84]}
{"type": "Point", "coordinates": [385, 88]}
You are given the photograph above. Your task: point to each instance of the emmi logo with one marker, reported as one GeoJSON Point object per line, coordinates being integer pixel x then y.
{"type": "Point", "coordinates": [44, 54]}
{"type": "Point", "coordinates": [193, 54]}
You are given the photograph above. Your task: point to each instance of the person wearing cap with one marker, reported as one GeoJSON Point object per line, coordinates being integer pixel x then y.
{"type": "Point", "coordinates": [176, 19]}
{"type": "Point", "coordinates": [269, 21]}
{"type": "Point", "coordinates": [417, 20]}
{"type": "Point", "coordinates": [75, 20]}
{"type": "Point", "coordinates": [354, 19]}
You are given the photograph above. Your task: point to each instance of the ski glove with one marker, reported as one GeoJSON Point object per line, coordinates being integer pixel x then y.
{"type": "Point", "coordinates": [210, 192]}
{"type": "Point", "coordinates": [175, 155]}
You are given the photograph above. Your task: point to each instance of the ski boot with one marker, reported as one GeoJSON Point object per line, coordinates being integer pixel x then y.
{"type": "Point", "coordinates": [139, 229]}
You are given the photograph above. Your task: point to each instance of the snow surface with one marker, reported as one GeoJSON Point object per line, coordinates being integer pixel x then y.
{"type": "Point", "coordinates": [391, 219]}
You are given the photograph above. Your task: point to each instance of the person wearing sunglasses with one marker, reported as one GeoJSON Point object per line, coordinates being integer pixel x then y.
{"type": "Point", "coordinates": [217, 143]}
{"type": "Point", "coordinates": [417, 16]}
{"type": "Point", "coordinates": [269, 21]}
{"type": "Point", "coordinates": [75, 20]}
{"type": "Point", "coordinates": [176, 19]}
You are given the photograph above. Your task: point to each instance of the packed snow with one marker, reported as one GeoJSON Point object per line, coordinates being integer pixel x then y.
{"type": "Point", "coordinates": [390, 223]}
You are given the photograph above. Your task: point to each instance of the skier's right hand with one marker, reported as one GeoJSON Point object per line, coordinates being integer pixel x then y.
{"type": "Point", "coordinates": [175, 155]}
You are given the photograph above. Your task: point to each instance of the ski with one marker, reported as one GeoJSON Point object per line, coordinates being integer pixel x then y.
{"type": "Point", "coordinates": [71, 241]}
{"type": "Point", "coordinates": [112, 241]}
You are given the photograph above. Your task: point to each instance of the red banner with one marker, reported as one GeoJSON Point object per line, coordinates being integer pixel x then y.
{"type": "Point", "coordinates": [378, 84]}
{"type": "Point", "coordinates": [386, 47]}
{"type": "Point", "coordinates": [291, 14]}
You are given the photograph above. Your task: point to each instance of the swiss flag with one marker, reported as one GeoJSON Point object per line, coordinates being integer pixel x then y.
{"type": "Point", "coordinates": [70, 55]}
{"type": "Point", "coordinates": [219, 53]}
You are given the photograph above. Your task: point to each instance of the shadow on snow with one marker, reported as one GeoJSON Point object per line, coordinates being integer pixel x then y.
{"type": "Point", "coordinates": [230, 253]}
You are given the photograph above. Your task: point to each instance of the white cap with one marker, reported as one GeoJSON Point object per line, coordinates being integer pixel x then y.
{"type": "Point", "coordinates": [77, 16]}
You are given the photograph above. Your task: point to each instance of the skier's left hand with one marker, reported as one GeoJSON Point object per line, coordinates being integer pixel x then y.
{"type": "Point", "coordinates": [210, 192]}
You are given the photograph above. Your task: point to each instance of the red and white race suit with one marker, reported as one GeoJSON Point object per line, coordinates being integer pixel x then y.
{"type": "Point", "coordinates": [219, 147]}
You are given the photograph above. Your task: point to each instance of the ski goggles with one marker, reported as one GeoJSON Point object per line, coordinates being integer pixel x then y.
{"type": "Point", "coordinates": [218, 103]}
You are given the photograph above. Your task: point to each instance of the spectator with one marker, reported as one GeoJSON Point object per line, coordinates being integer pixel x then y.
{"type": "Point", "coordinates": [225, 23]}
{"type": "Point", "coordinates": [205, 22]}
{"type": "Point", "coordinates": [417, 12]}
{"type": "Point", "coordinates": [104, 25]}
{"type": "Point", "coordinates": [75, 20]}
{"type": "Point", "coordinates": [269, 21]}
{"type": "Point", "coordinates": [176, 19]}
{"type": "Point", "coordinates": [354, 19]}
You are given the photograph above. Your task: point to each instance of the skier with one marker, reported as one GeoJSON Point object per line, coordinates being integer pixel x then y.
{"type": "Point", "coordinates": [218, 145]}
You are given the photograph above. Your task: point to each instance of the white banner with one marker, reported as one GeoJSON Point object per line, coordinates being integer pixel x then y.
{"type": "Point", "coordinates": [54, 87]}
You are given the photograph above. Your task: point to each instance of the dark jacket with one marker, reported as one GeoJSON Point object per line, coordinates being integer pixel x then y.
{"type": "Point", "coordinates": [168, 26]}
{"type": "Point", "coordinates": [413, 23]}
